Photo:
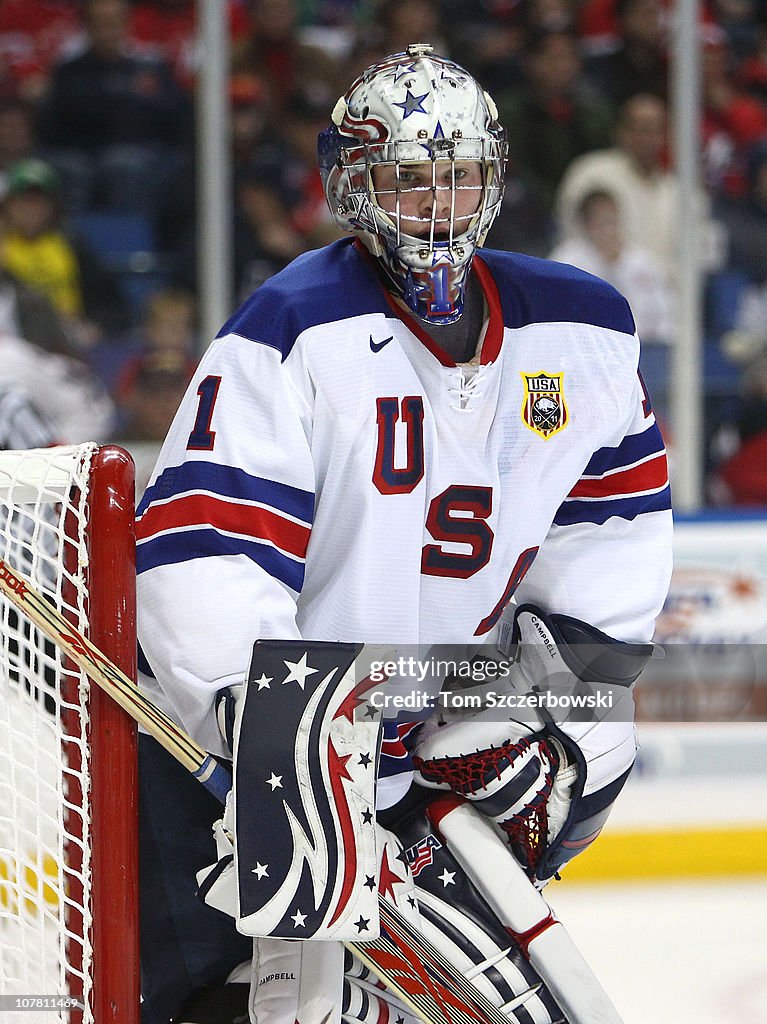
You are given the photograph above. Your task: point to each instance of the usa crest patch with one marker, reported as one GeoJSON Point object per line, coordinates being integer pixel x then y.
{"type": "Point", "coordinates": [544, 409]}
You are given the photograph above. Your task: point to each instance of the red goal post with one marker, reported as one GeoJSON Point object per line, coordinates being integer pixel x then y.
{"type": "Point", "coordinates": [68, 795]}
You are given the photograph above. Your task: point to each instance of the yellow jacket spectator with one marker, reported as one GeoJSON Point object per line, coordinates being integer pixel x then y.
{"type": "Point", "coordinates": [38, 251]}
{"type": "Point", "coordinates": [35, 249]}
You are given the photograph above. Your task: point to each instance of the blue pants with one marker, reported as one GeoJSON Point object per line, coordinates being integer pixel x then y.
{"type": "Point", "coordinates": [184, 943]}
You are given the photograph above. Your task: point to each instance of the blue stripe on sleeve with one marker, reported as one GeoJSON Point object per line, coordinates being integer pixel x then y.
{"type": "Point", "coordinates": [229, 482]}
{"type": "Point", "coordinates": [630, 450]}
{"type": "Point", "coordinates": [598, 512]}
{"type": "Point", "coordinates": [172, 548]}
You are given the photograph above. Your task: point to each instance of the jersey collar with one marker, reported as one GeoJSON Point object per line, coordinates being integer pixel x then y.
{"type": "Point", "coordinates": [491, 345]}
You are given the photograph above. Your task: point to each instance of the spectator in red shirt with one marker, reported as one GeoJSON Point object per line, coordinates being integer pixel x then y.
{"type": "Point", "coordinates": [733, 121]}
{"type": "Point", "coordinates": [742, 478]}
{"type": "Point", "coordinates": [169, 28]}
{"type": "Point", "coordinates": [34, 35]}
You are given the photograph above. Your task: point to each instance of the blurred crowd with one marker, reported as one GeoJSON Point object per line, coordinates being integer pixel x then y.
{"type": "Point", "coordinates": [98, 249]}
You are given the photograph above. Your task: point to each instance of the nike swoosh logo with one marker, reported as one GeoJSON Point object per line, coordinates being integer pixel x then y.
{"type": "Point", "coordinates": [376, 346]}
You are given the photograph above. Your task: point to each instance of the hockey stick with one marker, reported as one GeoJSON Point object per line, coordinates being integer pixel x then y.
{"type": "Point", "coordinates": [523, 911]}
{"type": "Point", "coordinates": [402, 958]}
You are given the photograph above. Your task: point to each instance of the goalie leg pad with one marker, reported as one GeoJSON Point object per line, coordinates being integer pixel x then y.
{"type": "Point", "coordinates": [367, 1003]}
{"type": "Point", "coordinates": [457, 920]}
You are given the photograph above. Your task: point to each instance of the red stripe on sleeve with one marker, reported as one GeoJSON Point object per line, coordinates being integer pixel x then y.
{"type": "Point", "coordinates": [247, 520]}
{"type": "Point", "coordinates": [646, 477]}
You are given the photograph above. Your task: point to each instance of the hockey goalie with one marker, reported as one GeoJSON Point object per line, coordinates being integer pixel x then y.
{"type": "Point", "coordinates": [404, 442]}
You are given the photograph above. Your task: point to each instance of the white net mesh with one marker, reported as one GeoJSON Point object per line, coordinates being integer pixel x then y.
{"type": "Point", "coordinates": [44, 767]}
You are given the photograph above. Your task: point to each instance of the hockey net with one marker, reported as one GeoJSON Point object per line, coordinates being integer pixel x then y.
{"type": "Point", "coordinates": [67, 755]}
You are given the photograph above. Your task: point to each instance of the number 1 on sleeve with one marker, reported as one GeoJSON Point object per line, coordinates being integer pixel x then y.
{"type": "Point", "coordinates": [202, 437]}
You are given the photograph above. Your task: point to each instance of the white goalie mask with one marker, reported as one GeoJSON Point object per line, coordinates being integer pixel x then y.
{"type": "Point", "coordinates": [414, 164]}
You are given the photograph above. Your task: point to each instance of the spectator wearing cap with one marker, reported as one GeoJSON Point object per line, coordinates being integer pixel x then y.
{"type": "Point", "coordinates": [38, 251]}
{"type": "Point", "coordinates": [34, 249]}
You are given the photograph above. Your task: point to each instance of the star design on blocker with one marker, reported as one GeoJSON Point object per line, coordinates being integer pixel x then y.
{"type": "Point", "coordinates": [447, 878]}
{"type": "Point", "coordinates": [260, 870]}
{"type": "Point", "coordinates": [364, 760]}
{"type": "Point", "coordinates": [298, 671]}
{"type": "Point", "coordinates": [363, 924]}
{"type": "Point", "coordinates": [367, 816]}
{"type": "Point", "coordinates": [298, 919]}
{"type": "Point", "coordinates": [263, 681]}
{"type": "Point", "coordinates": [275, 782]}
{"type": "Point", "coordinates": [411, 104]}
{"type": "Point", "coordinates": [370, 882]}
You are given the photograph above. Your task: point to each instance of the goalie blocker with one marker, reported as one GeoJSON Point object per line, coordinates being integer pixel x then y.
{"type": "Point", "coordinates": [297, 840]}
{"type": "Point", "coordinates": [549, 781]}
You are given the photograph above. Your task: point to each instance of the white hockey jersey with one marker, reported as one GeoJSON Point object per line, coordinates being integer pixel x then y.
{"type": "Point", "coordinates": [332, 474]}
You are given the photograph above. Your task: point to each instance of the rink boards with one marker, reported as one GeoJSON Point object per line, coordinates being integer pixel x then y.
{"type": "Point", "coordinates": [695, 804]}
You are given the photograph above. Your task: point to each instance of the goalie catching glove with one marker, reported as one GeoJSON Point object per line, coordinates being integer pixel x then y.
{"type": "Point", "coordinates": [553, 745]}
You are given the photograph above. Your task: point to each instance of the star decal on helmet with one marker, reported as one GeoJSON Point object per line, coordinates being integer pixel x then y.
{"type": "Point", "coordinates": [412, 104]}
{"type": "Point", "coordinates": [453, 78]}
{"type": "Point", "coordinates": [413, 290]}
{"type": "Point", "coordinates": [439, 133]}
{"type": "Point", "coordinates": [400, 70]}
{"type": "Point", "coordinates": [442, 254]}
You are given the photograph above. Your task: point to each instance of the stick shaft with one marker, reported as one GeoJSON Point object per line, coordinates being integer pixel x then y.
{"type": "Point", "coordinates": [113, 680]}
